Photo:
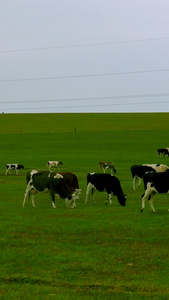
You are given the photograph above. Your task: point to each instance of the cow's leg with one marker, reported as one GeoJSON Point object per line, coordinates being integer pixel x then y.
{"type": "Point", "coordinates": [105, 169]}
{"type": "Point", "coordinates": [16, 172]}
{"type": "Point", "coordinates": [27, 194]}
{"type": "Point", "coordinates": [33, 200]}
{"type": "Point", "coordinates": [109, 199]}
{"type": "Point", "coordinates": [134, 182]}
{"type": "Point", "coordinates": [53, 199]}
{"type": "Point", "coordinates": [139, 181]}
{"type": "Point", "coordinates": [89, 188]}
{"type": "Point", "coordinates": [7, 171]}
{"type": "Point", "coordinates": [93, 195]}
{"type": "Point", "coordinates": [144, 197]}
{"type": "Point", "coordinates": [151, 201]}
{"type": "Point", "coordinates": [70, 203]}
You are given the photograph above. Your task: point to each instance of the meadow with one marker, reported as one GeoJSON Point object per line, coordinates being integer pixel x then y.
{"type": "Point", "coordinates": [92, 251]}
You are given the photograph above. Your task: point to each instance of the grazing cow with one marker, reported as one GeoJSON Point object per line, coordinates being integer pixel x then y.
{"type": "Point", "coordinates": [47, 181]}
{"type": "Point", "coordinates": [138, 172]}
{"type": "Point", "coordinates": [54, 164]}
{"type": "Point", "coordinates": [72, 183]}
{"type": "Point", "coordinates": [163, 152]}
{"type": "Point", "coordinates": [105, 182]}
{"type": "Point", "coordinates": [154, 183]}
{"type": "Point", "coordinates": [15, 167]}
{"type": "Point", "coordinates": [107, 165]}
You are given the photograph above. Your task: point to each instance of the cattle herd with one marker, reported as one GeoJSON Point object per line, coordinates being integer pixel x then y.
{"type": "Point", "coordinates": [65, 184]}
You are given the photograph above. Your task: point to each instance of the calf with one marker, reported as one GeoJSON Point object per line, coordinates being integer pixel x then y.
{"type": "Point", "coordinates": [15, 167]}
{"type": "Point", "coordinates": [107, 165]}
{"type": "Point", "coordinates": [154, 183]}
{"type": "Point", "coordinates": [138, 172]}
{"type": "Point", "coordinates": [72, 183]}
{"type": "Point", "coordinates": [163, 152]}
{"type": "Point", "coordinates": [54, 164]}
{"type": "Point", "coordinates": [105, 182]}
{"type": "Point", "coordinates": [47, 181]}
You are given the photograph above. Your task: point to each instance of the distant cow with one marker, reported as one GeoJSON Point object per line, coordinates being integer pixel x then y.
{"type": "Point", "coordinates": [105, 182]}
{"type": "Point", "coordinates": [107, 165]}
{"type": "Point", "coordinates": [47, 181]}
{"type": "Point", "coordinates": [154, 183]}
{"type": "Point", "coordinates": [54, 164]}
{"type": "Point", "coordinates": [163, 152]}
{"type": "Point", "coordinates": [138, 172]}
{"type": "Point", "coordinates": [15, 167]}
{"type": "Point", "coordinates": [72, 183]}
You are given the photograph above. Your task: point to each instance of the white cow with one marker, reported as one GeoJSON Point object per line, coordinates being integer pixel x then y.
{"type": "Point", "coordinates": [54, 164]}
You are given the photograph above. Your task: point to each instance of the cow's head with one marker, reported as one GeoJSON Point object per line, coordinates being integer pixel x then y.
{"type": "Point", "coordinates": [122, 200]}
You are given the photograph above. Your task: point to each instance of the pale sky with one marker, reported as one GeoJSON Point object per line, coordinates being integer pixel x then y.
{"type": "Point", "coordinates": [84, 56]}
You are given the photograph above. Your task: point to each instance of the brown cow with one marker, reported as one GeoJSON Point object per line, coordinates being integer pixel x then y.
{"type": "Point", "coordinates": [107, 165]}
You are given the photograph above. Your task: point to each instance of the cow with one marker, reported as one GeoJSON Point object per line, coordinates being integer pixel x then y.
{"type": "Point", "coordinates": [138, 172]}
{"type": "Point", "coordinates": [107, 165]}
{"type": "Point", "coordinates": [105, 182]}
{"type": "Point", "coordinates": [154, 183]}
{"type": "Point", "coordinates": [13, 167]}
{"type": "Point", "coordinates": [54, 164]}
{"type": "Point", "coordinates": [163, 152]}
{"type": "Point", "coordinates": [72, 183]}
{"type": "Point", "coordinates": [48, 181]}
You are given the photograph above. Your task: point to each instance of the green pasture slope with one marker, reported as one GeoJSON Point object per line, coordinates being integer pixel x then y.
{"type": "Point", "coordinates": [90, 252]}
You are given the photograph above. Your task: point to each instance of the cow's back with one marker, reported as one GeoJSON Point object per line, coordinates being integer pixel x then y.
{"type": "Point", "coordinates": [70, 180]}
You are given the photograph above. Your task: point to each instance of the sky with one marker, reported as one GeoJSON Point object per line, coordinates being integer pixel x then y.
{"type": "Point", "coordinates": [64, 56]}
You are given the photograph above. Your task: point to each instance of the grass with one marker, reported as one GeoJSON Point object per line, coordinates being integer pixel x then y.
{"type": "Point", "coordinates": [91, 252]}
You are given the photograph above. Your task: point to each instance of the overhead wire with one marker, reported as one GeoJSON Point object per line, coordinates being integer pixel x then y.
{"type": "Point", "coordinates": [84, 45]}
{"type": "Point", "coordinates": [88, 98]}
{"type": "Point", "coordinates": [85, 75]}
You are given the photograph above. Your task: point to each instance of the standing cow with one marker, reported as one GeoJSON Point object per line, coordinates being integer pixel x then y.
{"type": "Point", "coordinates": [47, 181]}
{"type": "Point", "coordinates": [138, 172]}
{"type": "Point", "coordinates": [54, 164]}
{"type": "Point", "coordinates": [13, 167]}
{"type": "Point", "coordinates": [107, 165]}
{"type": "Point", "coordinates": [105, 182]}
{"type": "Point", "coordinates": [154, 183]}
{"type": "Point", "coordinates": [163, 152]}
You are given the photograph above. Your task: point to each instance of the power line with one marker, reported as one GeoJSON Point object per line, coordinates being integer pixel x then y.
{"type": "Point", "coordinates": [83, 45]}
{"type": "Point", "coordinates": [89, 98]}
{"type": "Point", "coordinates": [88, 106]}
{"type": "Point", "coordinates": [84, 75]}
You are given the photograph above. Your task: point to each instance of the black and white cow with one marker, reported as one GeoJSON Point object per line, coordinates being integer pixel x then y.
{"type": "Point", "coordinates": [163, 152]}
{"type": "Point", "coordinates": [154, 183]}
{"type": "Point", "coordinates": [15, 167]}
{"type": "Point", "coordinates": [72, 183]}
{"type": "Point", "coordinates": [47, 181]}
{"type": "Point", "coordinates": [54, 164]}
{"type": "Point", "coordinates": [138, 172]}
{"type": "Point", "coordinates": [107, 165]}
{"type": "Point", "coordinates": [105, 182]}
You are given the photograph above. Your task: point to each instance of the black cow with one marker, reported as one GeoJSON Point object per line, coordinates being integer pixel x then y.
{"type": "Point", "coordinates": [154, 183]}
{"type": "Point", "coordinates": [15, 167]}
{"type": "Point", "coordinates": [105, 182]}
{"type": "Point", "coordinates": [138, 172]}
{"type": "Point", "coordinates": [47, 181]}
{"type": "Point", "coordinates": [163, 152]}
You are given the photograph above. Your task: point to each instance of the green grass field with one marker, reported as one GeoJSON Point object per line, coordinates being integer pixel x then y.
{"type": "Point", "coordinates": [90, 252]}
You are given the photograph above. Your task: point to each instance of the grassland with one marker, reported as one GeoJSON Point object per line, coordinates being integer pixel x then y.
{"type": "Point", "coordinates": [91, 252]}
